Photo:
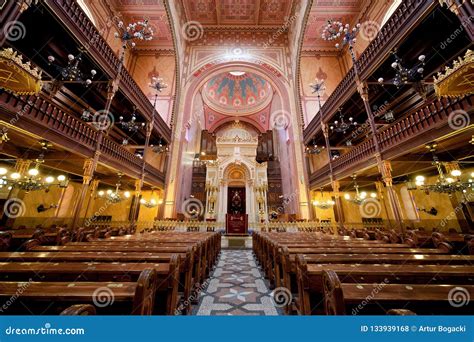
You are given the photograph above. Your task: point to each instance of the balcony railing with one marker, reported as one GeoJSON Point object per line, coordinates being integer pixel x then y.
{"type": "Point", "coordinates": [427, 123]}
{"type": "Point", "coordinates": [82, 28]}
{"type": "Point", "coordinates": [39, 115]}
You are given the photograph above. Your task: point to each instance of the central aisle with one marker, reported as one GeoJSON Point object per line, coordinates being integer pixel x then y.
{"type": "Point", "coordinates": [237, 287]}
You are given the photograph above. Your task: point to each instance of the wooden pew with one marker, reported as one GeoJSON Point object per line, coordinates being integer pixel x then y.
{"type": "Point", "coordinates": [344, 298]}
{"type": "Point", "coordinates": [311, 285]}
{"type": "Point", "coordinates": [167, 276]}
{"type": "Point", "coordinates": [39, 298]}
{"type": "Point", "coordinates": [79, 310]}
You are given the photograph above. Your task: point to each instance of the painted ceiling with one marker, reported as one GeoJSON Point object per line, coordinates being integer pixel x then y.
{"type": "Point", "coordinates": [237, 93]}
{"type": "Point", "coordinates": [237, 12]}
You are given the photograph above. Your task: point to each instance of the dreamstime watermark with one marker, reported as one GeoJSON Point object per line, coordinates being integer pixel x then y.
{"type": "Point", "coordinates": [21, 288]}
{"type": "Point", "coordinates": [98, 213]}
{"type": "Point", "coordinates": [14, 30]}
{"type": "Point", "coordinates": [458, 119]}
{"type": "Point", "coordinates": [103, 296]}
{"type": "Point", "coordinates": [369, 30]}
{"type": "Point", "coordinates": [192, 208]}
{"type": "Point", "coordinates": [192, 31]}
{"type": "Point", "coordinates": [371, 296]}
{"type": "Point", "coordinates": [281, 297]}
{"type": "Point", "coordinates": [370, 207]}
{"type": "Point", "coordinates": [452, 215]}
{"type": "Point", "coordinates": [14, 207]}
{"type": "Point", "coordinates": [283, 28]}
{"type": "Point", "coordinates": [103, 120]}
{"type": "Point", "coordinates": [46, 330]}
{"type": "Point", "coordinates": [459, 296]}
{"type": "Point", "coordinates": [452, 37]}
{"type": "Point", "coordinates": [280, 119]}
{"type": "Point", "coordinates": [194, 296]}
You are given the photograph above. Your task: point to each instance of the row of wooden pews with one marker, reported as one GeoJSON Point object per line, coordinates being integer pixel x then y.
{"type": "Point", "coordinates": [140, 274]}
{"type": "Point", "coordinates": [337, 275]}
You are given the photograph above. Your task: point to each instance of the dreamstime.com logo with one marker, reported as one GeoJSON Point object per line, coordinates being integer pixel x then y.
{"type": "Point", "coordinates": [370, 207]}
{"type": "Point", "coordinates": [14, 207]}
{"type": "Point", "coordinates": [192, 31]}
{"type": "Point", "coordinates": [46, 330]}
{"type": "Point", "coordinates": [192, 208]}
{"type": "Point", "coordinates": [102, 297]}
{"type": "Point", "coordinates": [14, 30]}
{"type": "Point", "coordinates": [281, 297]}
{"type": "Point", "coordinates": [459, 296]}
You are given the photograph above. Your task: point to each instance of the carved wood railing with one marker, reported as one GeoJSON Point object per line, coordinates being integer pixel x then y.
{"type": "Point", "coordinates": [74, 18]}
{"type": "Point", "coordinates": [39, 115]}
{"type": "Point", "coordinates": [392, 33]}
{"type": "Point", "coordinates": [423, 125]}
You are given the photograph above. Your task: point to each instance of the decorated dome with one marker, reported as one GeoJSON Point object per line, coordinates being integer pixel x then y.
{"type": "Point", "coordinates": [237, 93]}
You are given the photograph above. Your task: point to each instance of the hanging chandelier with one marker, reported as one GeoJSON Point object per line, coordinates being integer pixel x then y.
{"type": "Point", "coordinates": [72, 72]}
{"type": "Point", "coordinates": [140, 30]}
{"type": "Point", "coordinates": [318, 86]}
{"type": "Point", "coordinates": [313, 148]}
{"type": "Point", "coordinates": [335, 29]}
{"type": "Point", "coordinates": [342, 126]}
{"type": "Point", "coordinates": [162, 147]}
{"type": "Point", "coordinates": [115, 195]}
{"type": "Point", "coordinates": [323, 204]}
{"type": "Point", "coordinates": [33, 181]}
{"type": "Point", "coordinates": [405, 75]}
{"type": "Point", "coordinates": [445, 184]}
{"type": "Point", "coordinates": [157, 84]}
{"type": "Point", "coordinates": [132, 125]}
{"type": "Point", "coordinates": [360, 197]}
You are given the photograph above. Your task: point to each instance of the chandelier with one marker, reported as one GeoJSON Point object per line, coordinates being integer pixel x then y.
{"type": "Point", "coordinates": [132, 125]}
{"type": "Point", "coordinates": [139, 30]}
{"type": "Point", "coordinates": [313, 148]}
{"type": "Point", "coordinates": [342, 126]}
{"type": "Point", "coordinates": [33, 181]}
{"type": "Point", "coordinates": [157, 84]}
{"type": "Point", "coordinates": [114, 196]}
{"type": "Point", "coordinates": [335, 29]}
{"type": "Point", "coordinates": [162, 147]}
{"type": "Point", "coordinates": [360, 197]}
{"type": "Point", "coordinates": [152, 203]}
{"type": "Point", "coordinates": [403, 74]}
{"type": "Point", "coordinates": [445, 184]}
{"type": "Point", "coordinates": [323, 204]}
{"type": "Point", "coordinates": [72, 72]}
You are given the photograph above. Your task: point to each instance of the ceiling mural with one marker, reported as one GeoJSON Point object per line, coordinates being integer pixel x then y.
{"type": "Point", "coordinates": [237, 12]}
{"type": "Point", "coordinates": [237, 93]}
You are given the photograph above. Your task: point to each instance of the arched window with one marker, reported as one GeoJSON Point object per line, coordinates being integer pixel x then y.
{"type": "Point", "coordinates": [393, 7]}
{"type": "Point", "coordinates": [87, 11]}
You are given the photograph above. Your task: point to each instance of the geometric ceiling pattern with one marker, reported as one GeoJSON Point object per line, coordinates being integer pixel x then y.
{"type": "Point", "coordinates": [251, 13]}
{"type": "Point", "coordinates": [344, 11]}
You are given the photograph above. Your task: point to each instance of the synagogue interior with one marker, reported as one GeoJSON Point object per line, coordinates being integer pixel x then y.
{"type": "Point", "coordinates": [236, 157]}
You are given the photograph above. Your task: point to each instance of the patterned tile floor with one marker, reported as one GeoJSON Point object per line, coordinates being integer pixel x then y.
{"type": "Point", "coordinates": [237, 287]}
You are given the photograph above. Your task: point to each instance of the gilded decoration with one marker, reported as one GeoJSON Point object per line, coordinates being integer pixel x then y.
{"type": "Point", "coordinates": [457, 80]}
{"type": "Point", "coordinates": [16, 76]}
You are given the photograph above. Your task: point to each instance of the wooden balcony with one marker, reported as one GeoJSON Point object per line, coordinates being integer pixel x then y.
{"type": "Point", "coordinates": [39, 115]}
{"type": "Point", "coordinates": [423, 125]}
{"type": "Point", "coordinates": [76, 21]}
{"type": "Point", "coordinates": [400, 24]}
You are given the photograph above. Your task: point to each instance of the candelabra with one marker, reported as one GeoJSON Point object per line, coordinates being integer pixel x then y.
{"type": "Point", "coordinates": [72, 72]}
{"type": "Point", "coordinates": [405, 75]}
{"type": "Point", "coordinates": [162, 147]}
{"type": "Point", "coordinates": [114, 196]}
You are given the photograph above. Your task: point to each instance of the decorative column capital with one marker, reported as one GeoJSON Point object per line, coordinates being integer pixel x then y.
{"type": "Point", "coordinates": [363, 90]}
{"type": "Point", "coordinates": [22, 166]}
{"type": "Point", "coordinates": [336, 187]}
{"type": "Point", "coordinates": [385, 169]}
